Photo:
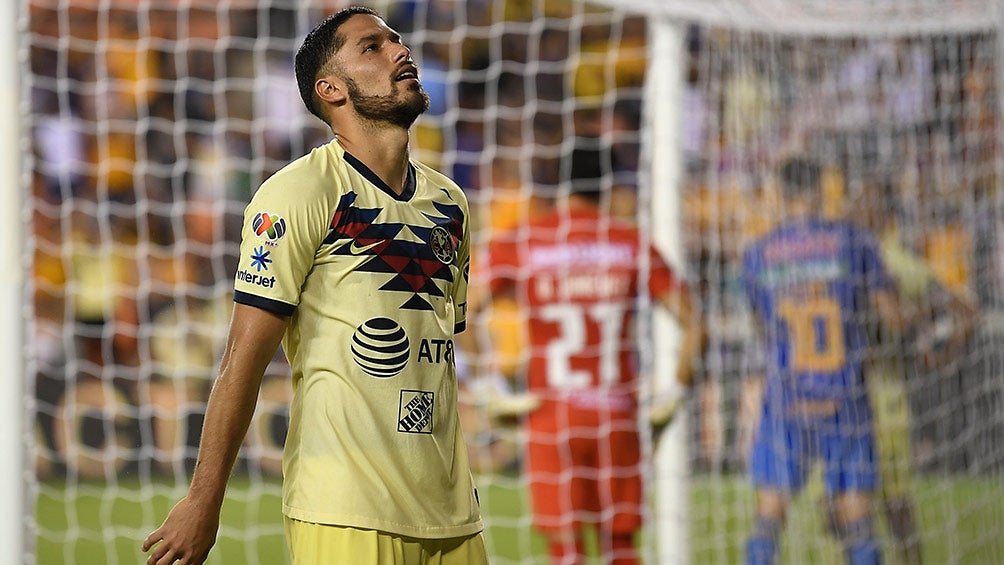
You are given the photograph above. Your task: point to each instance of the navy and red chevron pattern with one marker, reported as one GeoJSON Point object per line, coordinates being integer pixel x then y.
{"type": "Point", "coordinates": [412, 265]}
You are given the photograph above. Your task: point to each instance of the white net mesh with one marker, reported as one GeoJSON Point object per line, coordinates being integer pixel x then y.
{"type": "Point", "coordinates": [906, 128]}
{"type": "Point", "coordinates": [819, 17]}
{"type": "Point", "coordinates": [151, 123]}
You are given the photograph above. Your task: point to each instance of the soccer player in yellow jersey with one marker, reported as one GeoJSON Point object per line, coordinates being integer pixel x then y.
{"type": "Point", "coordinates": [356, 258]}
{"type": "Point", "coordinates": [943, 319]}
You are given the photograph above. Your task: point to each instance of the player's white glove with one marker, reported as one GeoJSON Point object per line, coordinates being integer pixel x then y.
{"type": "Point", "coordinates": [494, 395]}
{"type": "Point", "coordinates": [512, 405]}
{"type": "Point", "coordinates": [666, 405]}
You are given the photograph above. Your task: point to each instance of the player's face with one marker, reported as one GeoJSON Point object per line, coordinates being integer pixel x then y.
{"type": "Point", "coordinates": [379, 74]}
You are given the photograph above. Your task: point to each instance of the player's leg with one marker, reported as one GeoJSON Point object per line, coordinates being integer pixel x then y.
{"type": "Point", "coordinates": [565, 546]}
{"type": "Point", "coordinates": [851, 481]}
{"type": "Point", "coordinates": [555, 500]}
{"type": "Point", "coordinates": [778, 471]}
{"type": "Point", "coordinates": [899, 512]}
{"type": "Point", "coordinates": [771, 510]}
{"type": "Point", "coordinates": [892, 435]}
{"type": "Point", "coordinates": [854, 527]}
{"type": "Point", "coordinates": [620, 488]}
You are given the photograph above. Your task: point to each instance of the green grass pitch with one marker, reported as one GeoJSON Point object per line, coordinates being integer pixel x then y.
{"type": "Point", "coordinates": [962, 520]}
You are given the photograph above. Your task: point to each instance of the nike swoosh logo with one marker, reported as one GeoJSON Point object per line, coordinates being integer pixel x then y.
{"type": "Point", "coordinates": [357, 249]}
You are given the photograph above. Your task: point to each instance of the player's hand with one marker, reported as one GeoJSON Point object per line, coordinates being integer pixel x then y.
{"type": "Point", "coordinates": [494, 395]}
{"type": "Point", "coordinates": [511, 406]}
{"type": "Point", "coordinates": [666, 406]}
{"type": "Point", "coordinates": [186, 536]}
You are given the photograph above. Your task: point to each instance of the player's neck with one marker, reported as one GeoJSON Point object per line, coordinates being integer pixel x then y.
{"type": "Point", "coordinates": [383, 150]}
{"type": "Point", "coordinates": [577, 202]}
{"type": "Point", "coordinates": [800, 211]}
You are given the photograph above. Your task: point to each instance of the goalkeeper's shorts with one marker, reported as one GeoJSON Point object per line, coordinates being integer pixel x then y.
{"type": "Point", "coordinates": [584, 466]}
{"type": "Point", "coordinates": [310, 544]}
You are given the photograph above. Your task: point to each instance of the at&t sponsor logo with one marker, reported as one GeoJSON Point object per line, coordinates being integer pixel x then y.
{"type": "Point", "coordinates": [435, 351]}
{"type": "Point", "coordinates": [380, 347]}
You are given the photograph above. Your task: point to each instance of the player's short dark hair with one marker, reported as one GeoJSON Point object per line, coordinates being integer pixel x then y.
{"type": "Point", "coordinates": [318, 47]}
{"type": "Point", "coordinates": [587, 166]}
{"type": "Point", "coordinates": [799, 176]}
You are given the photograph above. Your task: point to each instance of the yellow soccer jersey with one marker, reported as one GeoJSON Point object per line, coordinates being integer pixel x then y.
{"type": "Point", "coordinates": [375, 285]}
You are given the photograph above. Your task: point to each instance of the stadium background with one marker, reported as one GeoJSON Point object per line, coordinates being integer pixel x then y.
{"type": "Point", "coordinates": [147, 126]}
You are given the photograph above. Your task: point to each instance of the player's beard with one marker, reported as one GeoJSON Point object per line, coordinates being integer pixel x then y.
{"type": "Point", "coordinates": [393, 109]}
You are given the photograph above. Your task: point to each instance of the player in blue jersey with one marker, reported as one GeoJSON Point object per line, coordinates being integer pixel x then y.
{"type": "Point", "coordinates": [815, 287]}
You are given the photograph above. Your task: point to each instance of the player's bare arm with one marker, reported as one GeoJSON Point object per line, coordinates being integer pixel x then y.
{"type": "Point", "coordinates": [680, 305]}
{"type": "Point", "coordinates": [490, 389]}
{"type": "Point", "coordinates": [189, 531]}
{"type": "Point", "coordinates": [946, 328]}
{"type": "Point", "coordinates": [895, 316]}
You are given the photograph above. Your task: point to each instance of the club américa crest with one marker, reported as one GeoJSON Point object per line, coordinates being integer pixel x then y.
{"type": "Point", "coordinates": [442, 245]}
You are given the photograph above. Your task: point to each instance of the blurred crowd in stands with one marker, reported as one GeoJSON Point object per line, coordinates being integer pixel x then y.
{"type": "Point", "coordinates": [151, 126]}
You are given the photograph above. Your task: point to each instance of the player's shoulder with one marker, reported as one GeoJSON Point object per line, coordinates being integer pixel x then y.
{"type": "Point", "coordinates": [855, 234]}
{"type": "Point", "coordinates": [834, 225]}
{"type": "Point", "coordinates": [754, 245]}
{"type": "Point", "coordinates": [441, 181]}
{"type": "Point", "coordinates": [619, 225]}
{"type": "Point", "coordinates": [305, 179]}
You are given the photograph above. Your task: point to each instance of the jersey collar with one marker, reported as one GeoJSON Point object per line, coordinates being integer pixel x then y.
{"type": "Point", "coordinates": [409, 185]}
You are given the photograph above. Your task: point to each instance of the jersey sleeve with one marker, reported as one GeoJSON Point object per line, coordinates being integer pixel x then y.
{"type": "Point", "coordinates": [749, 278]}
{"type": "Point", "coordinates": [876, 275]}
{"type": "Point", "coordinates": [661, 280]}
{"type": "Point", "coordinates": [463, 279]}
{"type": "Point", "coordinates": [503, 263]}
{"type": "Point", "coordinates": [279, 240]}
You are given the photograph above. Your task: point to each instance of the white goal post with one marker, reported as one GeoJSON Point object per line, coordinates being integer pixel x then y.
{"type": "Point", "coordinates": [12, 443]}
{"type": "Point", "coordinates": [100, 434]}
{"type": "Point", "coordinates": [671, 457]}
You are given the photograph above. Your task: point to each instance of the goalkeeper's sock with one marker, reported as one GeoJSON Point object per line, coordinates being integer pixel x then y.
{"type": "Point", "coordinates": [859, 542]}
{"type": "Point", "coordinates": [762, 545]}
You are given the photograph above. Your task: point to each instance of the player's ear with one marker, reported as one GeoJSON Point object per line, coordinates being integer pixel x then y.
{"type": "Point", "coordinates": [330, 91]}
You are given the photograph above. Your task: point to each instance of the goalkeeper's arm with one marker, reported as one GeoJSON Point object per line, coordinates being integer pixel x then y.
{"type": "Point", "coordinates": [488, 388]}
{"type": "Point", "coordinates": [666, 404]}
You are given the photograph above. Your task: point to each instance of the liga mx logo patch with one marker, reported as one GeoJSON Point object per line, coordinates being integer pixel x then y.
{"type": "Point", "coordinates": [380, 348]}
{"type": "Point", "coordinates": [415, 411]}
{"type": "Point", "coordinates": [269, 226]}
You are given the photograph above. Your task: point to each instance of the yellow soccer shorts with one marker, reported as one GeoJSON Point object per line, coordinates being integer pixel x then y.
{"type": "Point", "coordinates": [323, 544]}
{"type": "Point", "coordinates": [892, 433]}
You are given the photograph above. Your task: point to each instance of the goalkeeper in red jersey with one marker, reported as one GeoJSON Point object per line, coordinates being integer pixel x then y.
{"type": "Point", "coordinates": [577, 273]}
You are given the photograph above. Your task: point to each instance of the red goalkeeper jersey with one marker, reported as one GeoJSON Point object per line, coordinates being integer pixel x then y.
{"type": "Point", "coordinates": [579, 275]}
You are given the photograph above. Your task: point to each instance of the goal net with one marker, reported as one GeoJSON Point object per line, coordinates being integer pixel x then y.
{"type": "Point", "coordinates": [148, 124]}
{"type": "Point", "coordinates": [899, 104]}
